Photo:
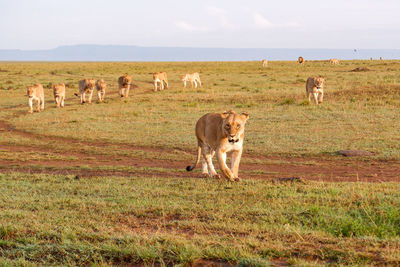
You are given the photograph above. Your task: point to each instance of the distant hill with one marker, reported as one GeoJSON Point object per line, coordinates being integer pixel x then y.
{"type": "Point", "coordinates": [137, 53]}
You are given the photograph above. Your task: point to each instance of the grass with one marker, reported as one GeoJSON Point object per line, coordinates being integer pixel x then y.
{"type": "Point", "coordinates": [180, 221]}
{"type": "Point", "coordinates": [153, 217]}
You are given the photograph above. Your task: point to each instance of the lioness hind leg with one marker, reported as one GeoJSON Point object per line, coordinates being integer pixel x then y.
{"type": "Point", "coordinates": [41, 103]}
{"type": "Point", "coordinates": [83, 98]}
{"type": "Point", "coordinates": [62, 101]}
{"type": "Point", "coordinates": [204, 169]}
{"type": "Point", "coordinates": [127, 91]}
{"type": "Point", "coordinates": [207, 155]}
{"type": "Point", "coordinates": [38, 105]}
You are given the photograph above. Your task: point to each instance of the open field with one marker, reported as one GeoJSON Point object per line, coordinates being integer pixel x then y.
{"type": "Point", "coordinates": [133, 201]}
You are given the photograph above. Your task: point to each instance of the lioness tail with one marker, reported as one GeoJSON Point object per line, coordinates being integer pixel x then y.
{"type": "Point", "coordinates": [189, 168]}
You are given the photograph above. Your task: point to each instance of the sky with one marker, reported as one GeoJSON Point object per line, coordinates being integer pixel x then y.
{"type": "Point", "coordinates": [46, 24]}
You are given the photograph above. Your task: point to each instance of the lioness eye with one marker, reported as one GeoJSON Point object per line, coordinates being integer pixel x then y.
{"type": "Point", "coordinates": [238, 126]}
{"type": "Point", "coordinates": [227, 126]}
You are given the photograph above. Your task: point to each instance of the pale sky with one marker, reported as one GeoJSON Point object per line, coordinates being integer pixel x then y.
{"type": "Point", "coordinates": [44, 24]}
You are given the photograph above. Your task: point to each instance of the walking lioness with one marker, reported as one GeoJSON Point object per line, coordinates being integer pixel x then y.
{"type": "Point", "coordinates": [101, 89]}
{"type": "Point", "coordinates": [220, 133]}
{"type": "Point", "coordinates": [160, 77]}
{"type": "Point", "coordinates": [315, 87]}
{"type": "Point", "coordinates": [59, 94]}
{"type": "Point", "coordinates": [124, 84]}
{"type": "Point", "coordinates": [86, 86]}
{"type": "Point", "coordinates": [35, 93]}
{"type": "Point", "coordinates": [192, 78]}
{"type": "Point", "coordinates": [264, 63]}
{"type": "Point", "coordinates": [334, 61]}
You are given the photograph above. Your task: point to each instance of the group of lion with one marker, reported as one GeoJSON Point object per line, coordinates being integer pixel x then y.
{"type": "Point", "coordinates": [87, 87]}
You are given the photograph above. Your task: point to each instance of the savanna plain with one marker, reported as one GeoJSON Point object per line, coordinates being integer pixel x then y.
{"type": "Point", "coordinates": [105, 184]}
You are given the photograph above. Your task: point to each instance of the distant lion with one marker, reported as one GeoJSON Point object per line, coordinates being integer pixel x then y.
{"type": "Point", "coordinates": [192, 78]}
{"type": "Point", "coordinates": [160, 77]}
{"type": "Point", "coordinates": [59, 94]}
{"type": "Point", "coordinates": [220, 133]}
{"type": "Point", "coordinates": [264, 63]}
{"type": "Point", "coordinates": [124, 84]}
{"type": "Point", "coordinates": [86, 86]}
{"type": "Point", "coordinates": [315, 87]}
{"type": "Point", "coordinates": [334, 61]}
{"type": "Point", "coordinates": [101, 89]}
{"type": "Point", "coordinates": [35, 93]}
{"type": "Point", "coordinates": [300, 60]}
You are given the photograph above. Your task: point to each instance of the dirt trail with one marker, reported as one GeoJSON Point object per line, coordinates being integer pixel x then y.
{"type": "Point", "coordinates": [326, 168]}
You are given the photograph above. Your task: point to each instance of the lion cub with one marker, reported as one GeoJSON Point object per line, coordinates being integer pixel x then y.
{"type": "Point", "coordinates": [59, 94]}
{"type": "Point", "coordinates": [124, 84]}
{"type": "Point", "coordinates": [35, 93]}
{"type": "Point", "coordinates": [86, 86]}
{"type": "Point", "coordinates": [315, 87]}
{"type": "Point", "coordinates": [220, 133]}
{"type": "Point", "coordinates": [101, 89]}
{"type": "Point", "coordinates": [192, 78]}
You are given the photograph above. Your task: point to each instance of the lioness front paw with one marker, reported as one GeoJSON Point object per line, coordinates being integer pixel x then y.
{"type": "Point", "coordinates": [237, 179]}
{"type": "Point", "coordinates": [205, 175]}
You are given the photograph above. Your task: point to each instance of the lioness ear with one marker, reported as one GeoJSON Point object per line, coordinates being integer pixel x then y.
{"type": "Point", "coordinates": [245, 116]}
{"type": "Point", "coordinates": [225, 114]}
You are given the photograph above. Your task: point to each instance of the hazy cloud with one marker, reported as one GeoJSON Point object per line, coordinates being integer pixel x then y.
{"type": "Point", "coordinates": [261, 22]}
{"type": "Point", "coordinates": [221, 15]}
{"type": "Point", "coordinates": [185, 26]}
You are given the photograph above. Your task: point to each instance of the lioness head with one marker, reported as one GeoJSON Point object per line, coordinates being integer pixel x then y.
{"type": "Point", "coordinates": [319, 82]}
{"type": "Point", "coordinates": [183, 77]}
{"type": "Point", "coordinates": [233, 125]}
{"type": "Point", "coordinates": [30, 91]}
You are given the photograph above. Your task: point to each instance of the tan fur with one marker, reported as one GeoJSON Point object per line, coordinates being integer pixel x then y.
{"type": "Point", "coordinates": [315, 87]}
{"type": "Point", "coordinates": [101, 89]}
{"type": "Point", "coordinates": [59, 94]}
{"type": "Point", "coordinates": [35, 93]}
{"type": "Point", "coordinates": [334, 61]}
{"type": "Point", "coordinates": [264, 63]}
{"type": "Point", "coordinates": [124, 84]}
{"type": "Point", "coordinates": [300, 60]}
{"type": "Point", "coordinates": [220, 133]}
{"type": "Point", "coordinates": [192, 78]}
{"type": "Point", "coordinates": [86, 86]}
{"type": "Point", "coordinates": [162, 78]}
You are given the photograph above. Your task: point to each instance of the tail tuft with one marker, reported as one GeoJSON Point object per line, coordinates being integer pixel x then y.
{"type": "Point", "coordinates": [76, 94]}
{"type": "Point", "coordinates": [189, 168]}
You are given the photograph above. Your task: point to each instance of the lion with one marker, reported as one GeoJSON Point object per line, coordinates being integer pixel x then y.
{"type": "Point", "coordinates": [101, 89]}
{"type": "Point", "coordinates": [192, 78]}
{"type": "Point", "coordinates": [35, 93]}
{"type": "Point", "coordinates": [264, 63]}
{"type": "Point", "coordinates": [86, 86]}
{"type": "Point", "coordinates": [160, 77]}
{"type": "Point", "coordinates": [59, 94]}
{"type": "Point", "coordinates": [300, 60]}
{"type": "Point", "coordinates": [334, 61]}
{"type": "Point", "coordinates": [220, 133]}
{"type": "Point", "coordinates": [124, 84]}
{"type": "Point", "coordinates": [315, 87]}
